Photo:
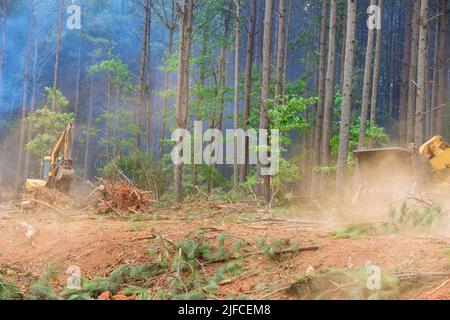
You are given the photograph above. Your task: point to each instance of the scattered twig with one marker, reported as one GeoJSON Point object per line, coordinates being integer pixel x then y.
{"type": "Point", "coordinates": [421, 274]}
{"type": "Point", "coordinates": [47, 205]}
{"type": "Point", "coordinates": [439, 287]}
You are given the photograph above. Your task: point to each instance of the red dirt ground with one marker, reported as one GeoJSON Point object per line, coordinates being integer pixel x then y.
{"type": "Point", "coordinates": [98, 244]}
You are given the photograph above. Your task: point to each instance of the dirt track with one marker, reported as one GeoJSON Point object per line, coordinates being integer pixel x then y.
{"type": "Point", "coordinates": [99, 244]}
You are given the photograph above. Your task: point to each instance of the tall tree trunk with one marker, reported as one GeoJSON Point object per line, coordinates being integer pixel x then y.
{"type": "Point", "coordinates": [26, 78]}
{"type": "Point", "coordinates": [344, 133]}
{"type": "Point", "coordinates": [329, 90]}
{"type": "Point", "coordinates": [280, 52]}
{"type": "Point", "coordinates": [442, 66]}
{"type": "Point", "coordinates": [222, 74]}
{"type": "Point", "coordinates": [142, 75]}
{"type": "Point", "coordinates": [165, 99]}
{"type": "Point", "coordinates": [58, 50]}
{"type": "Point", "coordinates": [366, 84]}
{"type": "Point", "coordinates": [431, 112]}
{"type": "Point", "coordinates": [186, 22]}
{"type": "Point", "coordinates": [376, 69]}
{"type": "Point", "coordinates": [202, 85]}
{"type": "Point", "coordinates": [342, 62]}
{"type": "Point", "coordinates": [265, 86]}
{"type": "Point", "coordinates": [413, 74]}
{"type": "Point", "coordinates": [4, 9]}
{"type": "Point", "coordinates": [178, 168]}
{"type": "Point", "coordinates": [148, 91]}
{"type": "Point", "coordinates": [403, 109]}
{"type": "Point", "coordinates": [32, 102]}
{"type": "Point", "coordinates": [236, 89]}
{"type": "Point", "coordinates": [108, 105]}
{"type": "Point", "coordinates": [86, 173]}
{"type": "Point", "coordinates": [421, 72]}
{"type": "Point", "coordinates": [286, 50]}
{"type": "Point", "coordinates": [77, 97]}
{"type": "Point", "coordinates": [249, 53]}
{"type": "Point", "coordinates": [320, 93]}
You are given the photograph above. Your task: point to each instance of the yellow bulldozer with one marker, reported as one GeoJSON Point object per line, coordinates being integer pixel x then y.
{"type": "Point", "coordinates": [393, 173]}
{"type": "Point", "coordinates": [58, 170]}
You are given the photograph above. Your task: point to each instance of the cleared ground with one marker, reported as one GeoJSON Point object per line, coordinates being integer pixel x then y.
{"type": "Point", "coordinates": [99, 244]}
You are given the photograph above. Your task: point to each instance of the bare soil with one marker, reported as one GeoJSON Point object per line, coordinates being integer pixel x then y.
{"type": "Point", "coordinates": [98, 244]}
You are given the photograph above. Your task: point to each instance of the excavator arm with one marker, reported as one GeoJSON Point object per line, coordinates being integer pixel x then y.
{"type": "Point", "coordinates": [61, 171]}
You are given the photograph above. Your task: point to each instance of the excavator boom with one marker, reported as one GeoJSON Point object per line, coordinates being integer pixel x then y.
{"type": "Point", "coordinates": [61, 172]}
{"type": "Point", "coordinates": [58, 168]}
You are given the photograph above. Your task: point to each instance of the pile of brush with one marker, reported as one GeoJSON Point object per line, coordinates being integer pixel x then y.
{"type": "Point", "coordinates": [120, 197]}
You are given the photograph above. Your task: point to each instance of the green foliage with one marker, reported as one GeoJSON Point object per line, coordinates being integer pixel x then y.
{"type": "Point", "coordinates": [275, 250]}
{"type": "Point", "coordinates": [118, 72]}
{"type": "Point", "coordinates": [141, 168]}
{"type": "Point", "coordinates": [422, 216]}
{"type": "Point", "coordinates": [375, 137]}
{"type": "Point", "coordinates": [42, 288]}
{"type": "Point", "coordinates": [290, 117]}
{"type": "Point", "coordinates": [48, 125]}
{"type": "Point", "coordinates": [8, 291]}
{"type": "Point", "coordinates": [358, 231]}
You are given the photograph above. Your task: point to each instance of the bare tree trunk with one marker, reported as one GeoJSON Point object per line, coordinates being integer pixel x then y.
{"type": "Point", "coordinates": [405, 75]}
{"type": "Point", "coordinates": [344, 133]}
{"type": "Point", "coordinates": [165, 99]}
{"type": "Point", "coordinates": [413, 74]}
{"type": "Point", "coordinates": [187, 56]}
{"type": "Point", "coordinates": [442, 66]}
{"type": "Point", "coordinates": [320, 93]}
{"type": "Point", "coordinates": [341, 74]}
{"type": "Point", "coordinates": [58, 50]}
{"type": "Point", "coordinates": [280, 52]}
{"type": "Point", "coordinates": [77, 96]}
{"type": "Point", "coordinates": [142, 75]}
{"type": "Point", "coordinates": [329, 90]}
{"type": "Point", "coordinates": [4, 8]}
{"type": "Point", "coordinates": [201, 84]}
{"type": "Point", "coordinates": [108, 106]}
{"type": "Point", "coordinates": [376, 69]}
{"type": "Point", "coordinates": [26, 77]}
{"type": "Point", "coordinates": [421, 72]}
{"type": "Point", "coordinates": [236, 89]}
{"type": "Point", "coordinates": [148, 95]}
{"type": "Point", "coordinates": [249, 53]}
{"type": "Point", "coordinates": [222, 74]}
{"type": "Point", "coordinates": [431, 113]}
{"type": "Point", "coordinates": [286, 49]}
{"type": "Point", "coordinates": [366, 85]}
{"type": "Point", "coordinates": [186, 22]}
{"type": "Point", "coordinates": [178, 168]}
{"type": "Point", "coordinates": [265, 87]}
{"type": "Point", "coordinates": [88, 129]}
{"type": "Point", "coordinates": [32, 102]}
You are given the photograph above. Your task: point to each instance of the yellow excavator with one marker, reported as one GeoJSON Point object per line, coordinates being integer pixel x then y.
{"type": "Point", "coordinates": [58, 170]}
{"type": "Point", "coordinates": [392, 173]}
